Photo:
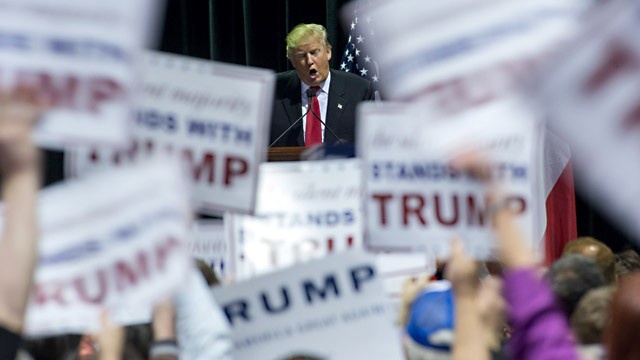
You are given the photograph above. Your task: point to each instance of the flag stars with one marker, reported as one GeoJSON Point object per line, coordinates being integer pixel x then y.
{"type": "Point", "coordinates": [357, 52]}
{"type": "Point", "coordinates": [353, 25]}
{"type": "Point", "coordinates": [350, 58]}
{"type": "Point", "coordinates": [343, 66]}
{"type": "Point", "coordinates": [363, 72]}
{"type": "Point", "coordinates": [367, 59]}
{"type": "Point", "coordinates": [374, 78]}
{"type": "Point", "coordinates": [359, 38]}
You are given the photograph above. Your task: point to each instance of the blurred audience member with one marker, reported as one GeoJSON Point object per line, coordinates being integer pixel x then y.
{"type": "Point", "coordinates": [597, 250]}
{"type": "Point", "coordinates": [627, 261]}
{"type": "Point", "coordinates": [589, 320]}
{"type": "Point", "coordinates": [572, 276]}
{"type": "Point", "coordinates": [622, 329]}
{"type": "Point", "coordinates": [429, 326]}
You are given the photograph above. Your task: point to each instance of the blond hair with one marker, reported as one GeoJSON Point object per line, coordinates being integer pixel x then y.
{"type": "Point", "coordinates": [305, 33]}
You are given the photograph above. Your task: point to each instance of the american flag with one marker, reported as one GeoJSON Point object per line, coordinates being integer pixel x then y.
{"type": "Point", "coordinates": [355, 57]}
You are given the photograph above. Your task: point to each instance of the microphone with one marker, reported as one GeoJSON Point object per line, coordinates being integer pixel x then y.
{"type": "Point", "coordinates": [311, 92]}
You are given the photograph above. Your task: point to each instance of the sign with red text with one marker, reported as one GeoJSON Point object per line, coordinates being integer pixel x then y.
{"type": "Point", "coordinates": [81, 56]}
{"type": "Point", "coordinates": [208, 243]}
{"type": "Point", "coordinates": [305, 210]}
{"type": "Point", "coordinates": [309, 210]}
{"type": "Point", "coordinates": [333, 308]}
{"type": "Point", "coordinates": [414, 198]}
{"type": "Point", "coordinates": [590, 97]}
{"type": "Point", "coordinates": [123, 250]}
{"type": "Point", "coordinates": [214, 115]}
{"type": "Point", "coordinates": [463, 53]}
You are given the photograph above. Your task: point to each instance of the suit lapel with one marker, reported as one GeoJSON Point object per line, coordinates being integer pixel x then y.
{"type": "Point", "coordinates": [293, 105]}
{"type": "Point", "coordinates": [334, 107]}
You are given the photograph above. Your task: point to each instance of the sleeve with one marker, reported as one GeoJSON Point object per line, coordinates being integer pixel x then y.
{"type": "Point", "coordinates": [10, 342]}
{"type": "Point", "coordinates": [540, 329]}
{"type": "Point", "coordinates": [164, 350]}
{"type": "Point", "coordinates": [202, 330]}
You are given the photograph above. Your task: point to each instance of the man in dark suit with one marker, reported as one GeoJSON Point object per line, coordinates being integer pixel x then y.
{"type": "Point", "coordinates": [333, 96]}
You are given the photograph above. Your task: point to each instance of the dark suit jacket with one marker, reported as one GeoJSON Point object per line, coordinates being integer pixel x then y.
{"type": "Point", "coordinates": [345, 91]}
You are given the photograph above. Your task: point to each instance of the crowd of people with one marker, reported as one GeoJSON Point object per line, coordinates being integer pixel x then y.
{"type": "Point", "coordinates": [583, 306]}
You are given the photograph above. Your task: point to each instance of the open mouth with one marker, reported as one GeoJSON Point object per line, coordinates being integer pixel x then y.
{"type": "Point", "coordinates": [313, 73]}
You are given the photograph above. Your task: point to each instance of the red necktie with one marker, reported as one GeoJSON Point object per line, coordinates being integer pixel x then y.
{"type": "Point", "coordinates": [313, 129]}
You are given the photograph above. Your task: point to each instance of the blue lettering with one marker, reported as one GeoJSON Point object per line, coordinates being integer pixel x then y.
{"type": "Point", "coordinates": [329, 284]}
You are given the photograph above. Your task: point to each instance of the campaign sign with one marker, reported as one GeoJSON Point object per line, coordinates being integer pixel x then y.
{"type": "Point", "coordinates": [463, 53]}
{"type": "Point", "coordinates": [590, 97]}
{"type": "Point", "coordinates": [333, 308]}
{"type": "Point", "coordinates": [121, 251]}
{"type": "Point", "coordinates": [209, 243]}
{"type": "Point", "coordinates": [305, 210]}
{"type": "Point", "coordinates": [414, 198]}
{"type": "Point", "coordinates": [214, 115]}
{"type": "Point", "coordinates": [81, 56]}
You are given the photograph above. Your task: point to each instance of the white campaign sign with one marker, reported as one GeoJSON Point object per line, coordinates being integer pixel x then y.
{"type": "Point", "coordinates": [215, 115]}
{"type": "Point", "coordinates": [121, 251]}
{"type": "Point", "coordinates": [591, 98]}
{"type": "Point", "coordinates": [414, 199]}
{"type": "Point", "coordinates": [332, 308]}
{"type": "Point", "coordinates": [308, 210]}
{"type": "Point", "coordinates": [305, 210]}
{"type": "Point", "coordinates": [81, 56]}
{"type": "Point", "coordinates": [209, 243]}
{"type": "Point", "coordinates": [463, 53]}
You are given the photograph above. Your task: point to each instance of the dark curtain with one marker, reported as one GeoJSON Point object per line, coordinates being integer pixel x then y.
{"type": "Point", "coordinates": [246, 32]}
{"type": "Point", "coordinates": [252, 32]}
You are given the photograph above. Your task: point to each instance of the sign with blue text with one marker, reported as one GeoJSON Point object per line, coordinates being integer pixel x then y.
{"type": "Point", "coordinates": [416, 200]}
{"type": "Point", "coordinates": [121, 251]}
{"type": "Point", "coordinates": [82, 57]}
{"type": "Point", "coordinates": [333, 308]}
{"type": "Point", "coordinates": [214, 115]}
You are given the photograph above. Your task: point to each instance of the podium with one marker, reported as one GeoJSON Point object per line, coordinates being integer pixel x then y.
{"type": "Point", "coordinates": [288, 153]}
{"type": "Point", "coordinates": [309, 153]}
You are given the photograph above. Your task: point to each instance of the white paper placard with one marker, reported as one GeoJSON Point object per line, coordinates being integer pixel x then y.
{"type": "Point", "coordinates": [82, 58]}
{"type": "Point", "coordinates": [209, 243]}
{"type": "Point", "coordinates": [305, 210]}
{"type": "Point", "coordinates": [214, 115]}
{"type": "Point", "coordinates": [590, 97]}
{"type": "Point", "coordinates": [414, 199]}
{"type": "Point", "coordinates": [463, 53]}
{"type": "Point", "coordinates": [332, 308]}
{"type": "Point", "coordinates": [121, 251]}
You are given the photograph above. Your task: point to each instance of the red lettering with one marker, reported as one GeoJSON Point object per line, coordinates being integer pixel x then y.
{"type": "Point", "coordinates": [163, 249]}
{"type": "Point", "coordinates": [206, 165]}
{"type": "Point", "coordinates": [234, 166]}
{"type": "Point", "coordinates": [126, 274]}
{"type": "Point", "coordinates": [475, 214]}
{"type": "Point", "coordinates": [49, 292]}
{"type": "Point", "coordinates": [618, 59]}
{"type": "Point", "coordinates": [382, 199]}
{"type": "Point", "coordinates": [102, 90]}
{"type": "Point", "coordinates": [60, 91]}
{"type": "Point", "coordinates": [72, 92]}
{"type": "Point", "coordinates": [454, 218]}
{"type": "Point", "coordinates": [80, 285]}
{"type": "Point", "coordinates": [413, 204]}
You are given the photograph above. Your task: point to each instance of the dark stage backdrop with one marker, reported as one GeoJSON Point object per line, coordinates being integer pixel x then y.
{"type": "Point", "coordinates": [252, 32]}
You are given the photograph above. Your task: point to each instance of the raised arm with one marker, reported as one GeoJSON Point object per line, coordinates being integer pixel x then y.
{"type": "Point", "coordinates": [20, 173]}
{"type": "Point", "coordinates": [540, 329]}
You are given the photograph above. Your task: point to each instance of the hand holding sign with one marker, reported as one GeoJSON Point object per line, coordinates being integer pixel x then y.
{"type": "Point", "coordinates": [20, 108]}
